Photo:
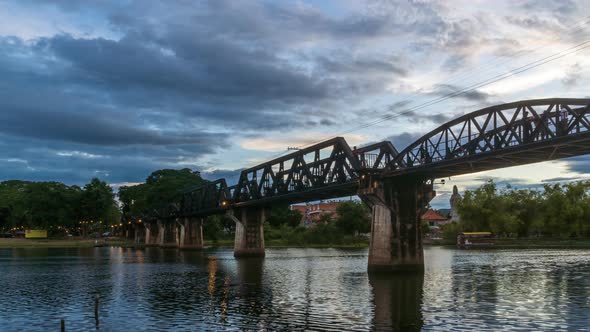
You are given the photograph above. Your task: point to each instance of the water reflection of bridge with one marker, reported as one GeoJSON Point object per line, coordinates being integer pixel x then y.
{"type": "Point", "coordinates": [396, 185]}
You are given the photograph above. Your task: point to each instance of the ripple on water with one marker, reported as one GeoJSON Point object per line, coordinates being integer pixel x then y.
{"type": "Point", "coordinates": [292, 289]}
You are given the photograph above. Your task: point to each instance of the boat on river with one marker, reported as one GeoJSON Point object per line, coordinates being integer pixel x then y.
{"type": "Point", "coordinates": [468, 240]}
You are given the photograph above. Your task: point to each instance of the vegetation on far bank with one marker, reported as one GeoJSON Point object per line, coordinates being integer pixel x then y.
{"type": "Point", "coordinates": [56, 207]}
{"type": "Point", "coordinates": [558, 212]}
{"type": "Point", "coordinates": [556, 216]}
{"type": "Point", "coordinates": [89, 210]}
{"type": "Point", "coordinates": [159, 189]}
{"type": "Point", "coordinates": [59, 243]}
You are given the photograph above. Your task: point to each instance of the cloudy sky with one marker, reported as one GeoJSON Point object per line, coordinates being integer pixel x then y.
{"type": "Point", "coordinates": [118, 89]}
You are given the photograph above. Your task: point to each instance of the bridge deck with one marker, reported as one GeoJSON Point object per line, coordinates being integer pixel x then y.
{"type": "Point", "coordinates": [559, 148]}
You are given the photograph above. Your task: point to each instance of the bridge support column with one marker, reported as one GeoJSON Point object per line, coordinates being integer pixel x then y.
{"type": "Point", "coordinates": [168, 234]}
{"type": "Point", "coordinates": [130, 231]}
{"type": "Point", "coordinates": [152, 237]}
{"type": "Point", "coordinates": [139, 234]}
{"type": "Point", "coordinates": [396, 238]}
{"type": "Point", "coordinates": [249, 240]}
{"type": "Point", "coordinates": [191, 234]}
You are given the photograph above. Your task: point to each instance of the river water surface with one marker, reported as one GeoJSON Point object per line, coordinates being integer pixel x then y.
{"type": "Point", "coordinates": [291, 289]}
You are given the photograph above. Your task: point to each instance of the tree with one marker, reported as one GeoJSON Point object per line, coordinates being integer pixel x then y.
{"type": "Point", "coordinates": [283, 215]}
{"type": "Point", "coordinates": [46, 205]}
{"type": "Point", "coordinates": [560, 210]}
{"type": "Point", "coordinates": [133, 201]}
{"type": "Point", "coordinates": [486, 210]}
{"type": "Point", "coordinates": [165, 185]}
{"type": "Point", "coordinates": [325, 219]}
{"type": "Point", "coordinates": [98, 202]}
{"type": "Point", "coordinates": [160, 188]}
{"type": "Point", "coordinates": [353, 218]}
{"type": "Point", "coordinates": [213, 228]}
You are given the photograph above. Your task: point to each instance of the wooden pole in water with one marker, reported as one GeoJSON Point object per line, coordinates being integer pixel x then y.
{"type": "Point", "coordinates": [63, 325]}
{"type": "Point", "coordinates": [96, 301]}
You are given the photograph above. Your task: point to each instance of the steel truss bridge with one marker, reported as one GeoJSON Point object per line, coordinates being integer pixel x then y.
{"type": "Point", "coordinates": [504, 135]}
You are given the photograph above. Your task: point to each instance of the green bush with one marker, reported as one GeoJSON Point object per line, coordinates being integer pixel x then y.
{"type": "Point", "coordinates": [319, 234]}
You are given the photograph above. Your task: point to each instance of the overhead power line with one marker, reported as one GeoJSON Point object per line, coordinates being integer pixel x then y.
{"type": "Point", "coordinates": [576, 27]}
{"type": "Point", "coordinates": [471, 88]}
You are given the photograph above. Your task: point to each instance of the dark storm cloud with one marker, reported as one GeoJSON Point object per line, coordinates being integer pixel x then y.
{"type": "Point", "coordinates": [356, 66]}
{"type": "Point", "coordinates": [572, 75]}
{"type": "Point", "coordinates": [203, 73]}
{"type": "Point", "coordinates": [231, 176]}
{"type": "Point", "coordinates": [220, 59]}
{"type": "Point", "coordinates": [418, 116]}
{"type": "Point", "coordinates": [399, 105]}
{"type": "Point", "coordinates": [43, 160]}
{"type": "Point", "coordinates": [446, 90]}
{"type": "Point", "coordinates": [403, 140]}
{"type": "Point", "coordinates": [201, 68]}
{"type": "Point", "coordinates": [534, 22]}
{"type": "Point", "coordinates": [502, 181]}
{"type": "Point", "coordinates": [562, 179]}
{"type": "Point", "coordinates": [327, 122]}
{"type": "Point", "coordinates": [175, 81]}
{"type": "Point", "coordinates": [579, 164]}
{"type": "Point", "coordinates": [90, 129]}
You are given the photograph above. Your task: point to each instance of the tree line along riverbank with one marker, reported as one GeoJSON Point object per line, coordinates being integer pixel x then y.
{"type": "Point", "coordinates": [556, 216]}
{"type": "Point", "coordinates": [559, 214]}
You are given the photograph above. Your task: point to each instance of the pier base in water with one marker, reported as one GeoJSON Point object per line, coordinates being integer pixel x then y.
{"type": "Point", "coordinates": [151, 234]}
{"type": "Point", "coordinates": [396, 237]}
{"type": "Point", "coordinates": [249, 241]}
{"type": "Point", "coordinates": [191, 234]}
{"type": "Point", "coordinates": [169, 237]}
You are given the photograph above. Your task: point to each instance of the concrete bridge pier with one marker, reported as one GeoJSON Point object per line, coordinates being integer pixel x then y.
{"type": "Point", "coordinates": [139, 234]}
{"type": "Point", "coordinates": [191, 233]}
{"type": "Point", "coordinates": [151, 233]}
{"type": "Point", "coordinates": [168, 232]}
{"type": "Point", "coordinates": [396, 238]}
{"type": "Point", "coordinates": [129, 232]}
{"type": "Point", "coordinates": [249, 240]}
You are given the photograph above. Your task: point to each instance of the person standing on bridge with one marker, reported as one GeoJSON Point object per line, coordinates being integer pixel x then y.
{"type": "Point", "coordinates": [424, 156]}
{"type": "Point", "coordinates": [562, 122]}
{"type": "Point", "coordinates": [527, 132]}
{"type": "Point", "coordinates": [355, 154]}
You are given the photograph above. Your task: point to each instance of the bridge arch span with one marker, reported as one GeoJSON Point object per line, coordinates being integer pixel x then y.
{"type": "Point", "coordinates": [499, 136]}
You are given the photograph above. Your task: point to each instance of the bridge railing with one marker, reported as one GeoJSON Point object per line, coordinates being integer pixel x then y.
{"type": "Point", "coordinates": [375, 156]}
{"type": "Point", "coordinates": [207, 198]}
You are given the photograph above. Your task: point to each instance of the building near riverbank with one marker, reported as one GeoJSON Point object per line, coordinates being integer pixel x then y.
{"type": "Point", "coordinates": [435, 219]}
{"type": "Point", "coordinates": [313, 212]}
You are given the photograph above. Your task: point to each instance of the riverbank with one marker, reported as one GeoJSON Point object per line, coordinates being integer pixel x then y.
{"type": "Point", "coordinates": [58, 243]}
{"type": "Point", "coordinates": [87, 243]}
{"type": "Point", "coordinates": [499, 244]}
{"type": "Point", "coordinates": [525, 244]}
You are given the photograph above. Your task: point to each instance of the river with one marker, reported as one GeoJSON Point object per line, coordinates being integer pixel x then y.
{"type": "Point", "coordinates": [291, 289]}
